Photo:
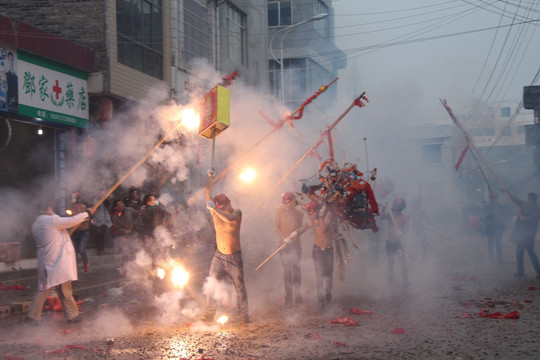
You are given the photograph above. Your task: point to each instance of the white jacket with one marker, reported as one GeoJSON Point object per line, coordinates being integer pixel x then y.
{"type": "Point", "coordinates": [57, 262]}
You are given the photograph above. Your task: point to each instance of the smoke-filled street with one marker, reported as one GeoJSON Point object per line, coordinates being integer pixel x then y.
{"type": "Point", "coordinates": [463, 307]}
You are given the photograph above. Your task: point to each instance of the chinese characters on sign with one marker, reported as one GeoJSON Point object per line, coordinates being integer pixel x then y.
{"type": "Point", "coordinates": [52, 91]}
{"type": "Point", "coordinates": [54, 96]}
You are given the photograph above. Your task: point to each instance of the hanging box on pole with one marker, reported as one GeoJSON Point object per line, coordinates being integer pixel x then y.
{"type": "Point", "coordinates": [215, 107]}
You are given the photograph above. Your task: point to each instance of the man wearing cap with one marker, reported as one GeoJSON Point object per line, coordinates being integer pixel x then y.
{"type": "Point", "coordinates": [288, 219]}
{"type": "Point", "coordinates": [324, 227]}
{"type": "Point", "coordinates": [524, 232]}
{"type": "Point", "coordinates": [227, 260]}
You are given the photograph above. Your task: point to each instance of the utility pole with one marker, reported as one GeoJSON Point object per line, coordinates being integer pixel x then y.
{"type": "Point", "coordinates": [531, 101]}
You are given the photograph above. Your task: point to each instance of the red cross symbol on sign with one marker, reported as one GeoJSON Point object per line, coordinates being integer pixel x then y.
{"type": "Point", "coordinates": [57, 89]}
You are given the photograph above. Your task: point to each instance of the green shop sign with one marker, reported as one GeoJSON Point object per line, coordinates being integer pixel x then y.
{"type": "Point", "coordinates": [51, 91]}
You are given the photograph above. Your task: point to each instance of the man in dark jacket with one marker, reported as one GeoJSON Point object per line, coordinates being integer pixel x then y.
{"type": "Point", "coordinates": [524, 232]}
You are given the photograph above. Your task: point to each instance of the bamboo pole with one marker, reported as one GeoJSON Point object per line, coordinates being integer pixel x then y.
{"type": "Point", "coordinates": [471, 144]}
{"type": "Point", "coordinates": [248, 151]}
{"type": "Point", "coordinates": [271, 256]}
{"type": "Point", "coordinates": [123, 178]}
{"type": "Point", "coordinates": [268, 193]}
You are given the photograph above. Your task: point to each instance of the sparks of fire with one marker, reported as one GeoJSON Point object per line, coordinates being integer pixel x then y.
{"type": "Point", "coordinates": [248, 175]}
{"type": "Point", "coordinates": [160, 273]}
{"type": "Point", "coordinates": [180, 276]}
{"type": "Point", "coordinates": [223, 319]}
{"type": "Point", "coordinates": [190, 119]}
{"type": "Point", "coordinates": [69, 212]}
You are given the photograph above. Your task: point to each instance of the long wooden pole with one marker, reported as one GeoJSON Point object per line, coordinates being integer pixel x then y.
{"type": "Point", "coordinates": [268, 193]}
{"type": "Point", "coordinates": [271, 256]}
{"type": "Point", "coordinates": [471, 144]}
{"type": "Point", "coordinates": [248, 151]}
{"type": "Point", "coordinates": [123, 178]}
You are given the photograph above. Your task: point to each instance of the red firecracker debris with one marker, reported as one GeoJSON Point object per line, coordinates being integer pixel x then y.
{"type": "Point", "coordinates": [527, 301]}
{"type": "Point", "coordinates": [339, 343]}
{"type": "Point", "coordinates": [359, 312]}
{"type": "Point", "coordinates": [11, 357]}
{"type": "Point", "coordinates": [467, 304]}
{"type": "Point", "coordinates": [499, 315]}
{"type": "Point", "coordinates": [11, 287]}
{"type": "Point", "coordinates": [345, 321]}
{"type": "Point", "coordinates": [65, 349]}
{"type": "Point", "coordinates": [398, 331]}
{"type": "Point", "coordinates": [64, 332]}
{"type": "Point", "coordinates": [532, 288]}
{"type": "Point", "coordinates": [467, 315]}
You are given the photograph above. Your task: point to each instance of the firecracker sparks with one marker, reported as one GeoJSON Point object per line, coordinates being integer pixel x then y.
{"type": "Point", "coordinates": [190, 119]}
{"type": "Point", "coordinates": [69, 212]}
{"type": "Point", "coordinates": [223, 319]}
{"type": "Point", "coordinates": [248, 175]}
{"type": "Point", "coordinates": [180, 276]}
{"type": "Point", "coordinates": [160, 273]}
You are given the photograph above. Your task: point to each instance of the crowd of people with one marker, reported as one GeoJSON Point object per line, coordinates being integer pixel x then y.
{"type": "Point", "coordinates": [58, 251]}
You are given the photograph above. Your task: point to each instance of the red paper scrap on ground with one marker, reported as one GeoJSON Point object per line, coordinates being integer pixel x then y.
{"type": "Point", "coordinates": [527, 301]}
{"type": "Point", "coordinates": [339, 343]}
{"type": "Point", "coordinates": [313, 336]}
{"type": "Point", "coordinates": [467, 315]}
{"type": "Point", "coordinates": [532, 288]}
{"type": "Point", "coordinates": [11, 287]}
{"type": "Point", "coordinates": [65, 349]}
{"type": "Point", "coordinates": [54, 304]}
{"type": "Point", "coordinates": [360, 312]}
{"type": "Point", "coordinates": [345, 321]}
{"type": "Point", "coordinates": [399, 331]}
{"type": "Point", "coordinates": [499, 315]}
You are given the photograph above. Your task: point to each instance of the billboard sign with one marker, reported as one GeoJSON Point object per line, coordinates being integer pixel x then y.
{"type": "Point", "coordinates": [52, 91]}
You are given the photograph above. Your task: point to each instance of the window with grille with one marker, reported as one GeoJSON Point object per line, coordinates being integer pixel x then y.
{"type": "Point", "coordinates": [139, 33]}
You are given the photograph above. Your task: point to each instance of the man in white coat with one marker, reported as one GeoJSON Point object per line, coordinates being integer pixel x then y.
{"type": "Point", "coordinates": [57, 263]}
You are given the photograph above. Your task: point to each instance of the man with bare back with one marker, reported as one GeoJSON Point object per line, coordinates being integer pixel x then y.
{"type": "Point", "coordinates": [227, 260]}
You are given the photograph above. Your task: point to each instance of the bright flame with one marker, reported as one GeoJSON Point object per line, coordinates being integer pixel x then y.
{"type": "Point", "coordinates": [223, 319]}
{"type": "Point", "coordinates": [180, 276]}
{"type": "Point", "coordinates": [190, 119]}
{"type": "Point", "coordinates": [69, 212]}
{"type": "Point", "coordinates": [160, 273]}
{"type": "Point", "coordinates": [248, 175]}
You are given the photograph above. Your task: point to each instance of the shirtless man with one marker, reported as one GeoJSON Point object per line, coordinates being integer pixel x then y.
{"type": "Point", "coordinates": [288, 219]}
{"type": "Point", "coordinates": [227, 260]}
{"type": "Point", "coordinates": [323, 225]}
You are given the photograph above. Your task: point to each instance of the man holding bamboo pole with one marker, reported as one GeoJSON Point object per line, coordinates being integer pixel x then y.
{"type": "Point", "coordinates": [227, 260]}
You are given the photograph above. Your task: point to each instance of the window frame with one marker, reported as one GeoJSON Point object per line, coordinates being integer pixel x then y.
{"type": "Point", "coordinates": [236, 52]}
{"type": "Point", "coordinates": [140, 38]}
{"type": "Point", "coordinates": [281, 19]}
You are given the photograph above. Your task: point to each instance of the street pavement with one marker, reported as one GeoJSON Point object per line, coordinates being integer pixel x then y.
{"type": "Point", "coordinates": [104, 274]}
